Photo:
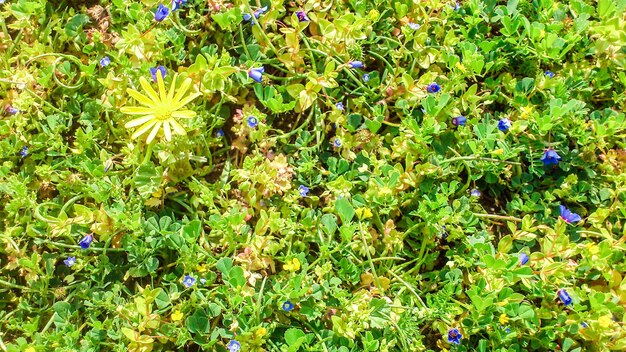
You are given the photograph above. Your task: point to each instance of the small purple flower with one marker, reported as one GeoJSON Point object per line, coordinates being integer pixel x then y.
{"type": "Point", "coordinates": [288, 306]}
{"type": "Point", "coordinates": [504, 124]}
{"type": "Point", "coordinates": [202, 281]}
{"type": "Point", "coordinates": [339, 106]}
{"type": "Point", "coordinates": [177, 4]}
{"type": "Point", "coordinates": [366, 77]}
{"type": "Point", "coordinates": [337, 143]}
{"type": "Point", "coordinates": [550, 74]}
{"type": "Point", "coordinates": [12, 111]}
{"type": "Point", "coordinates": [252, 121]}
{"type": "Point", "coordinates": [413, 26]}
{"type": "Point", "coordinates": [105, 61]}
{"type": "Point", "coordinates": [584, 325]}
{"type": "Point", "coordinates": [85, 242]}
{"type": "Point", "coordinates": [507, 330]}
{"type": "Point", "coordinates": [356, 64]}
{"type": "Point", "coordinates": [219, 133]}
{"type": "Point", "coordinates": [568, 216]}
{"type": "Point", "coordinates": [70, 261]}
{"type": "Point", "coordinates": [564, 296]}
{"type": "Point", "coordinates": [160, 69]}
{"type": "Point", "coordinates": [456, 6]}
{"type": "Point", "coordinates": [233, 346]}
{"type": "Point", "coordinates": [454, 336]}
{"type": "Point", "coordinates": [433, 88]}
{"type": "Point", "coordinates": [189, 281]}
{"type": "Point", "coordinates": [247, 17]}
{"type": "Point", "coordinates": [550, 157]}
{"type": "Point", "coordinates": [256, 73]}
{"type": "Point", "coordinates": [161, 13]}
{"type": "Point", "coordinates": [302, 17]}
{"type": "Point", "coordinates": [303, 190]}
{"type": "Point", "coordinates": [259, 12]}
{"type": "Point", "coordinates": [475, 193]}
{"type": "Point", "coordinates": [523, 258]}
{"type": "Point", "coordinates": [459, 120]}
{"type": "Point", "coordinates": [24, 152]}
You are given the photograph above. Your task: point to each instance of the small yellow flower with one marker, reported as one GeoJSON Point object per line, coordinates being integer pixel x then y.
{"type": "Point", "coordinates": [201, 268]}
{"type": "Point", "coordinates": [260, 332]}
{"type": "Point", "coordinates": [504, 319]}
{"type": "Point", "coordinates": [177, 315]}
{"type": "Point", "coordinates": [363, 213]}
{"type": "Point", "coordinates": [292, 265]}
{"type": "Point", "coordinates": [161, 110]}
{"type": "Point", "coordinates": [605, 321]}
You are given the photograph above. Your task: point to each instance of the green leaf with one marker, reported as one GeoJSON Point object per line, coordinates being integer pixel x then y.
{"type": "Point", "coordinates": [330, 224]}
{"type": "Point", "coordinates": [345, 210]}
{"type": "Point", "coordinates": [294, 337]}
{"type": "Point", "coordinates": [192, 231]}
{"type": "Point", "coordinates": [198, 322]}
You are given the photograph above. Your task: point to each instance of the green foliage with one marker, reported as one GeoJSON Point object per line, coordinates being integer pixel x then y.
{"type": "Point", "coordinates": [363, 215]}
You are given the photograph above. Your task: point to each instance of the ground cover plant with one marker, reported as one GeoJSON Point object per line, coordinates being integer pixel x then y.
{"type": "Point", "coordinates": [322, 175]}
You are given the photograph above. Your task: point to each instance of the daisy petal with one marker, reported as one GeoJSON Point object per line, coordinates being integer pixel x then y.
{"type": "Point", "coordinates": [138, 121]}
{"type": "Point", "coordinates": [154, 131]}
{"type": "Point", "coordinates": [167, 130]}
{"type": "Point", "coordinates": [180, 104]}
{"type": "Point", "coordinates": [143, 129]}
{"type": "Point", "coordinates": [162, 91]}
{"type": "Point", "coordinates": [170, 94]}
{"type": "Point", "coordinates": [142, 99]}
{"type": "Point", "coordinates": [183, 89]}
{"type": "Point", "coordinates": [177, 127]}
{"type": "Point", "coordinates": [149, 90]}
{"type": "Point", "coordinates": [136, 110]}
{"type": "Point", "coordinates": [184, 114]}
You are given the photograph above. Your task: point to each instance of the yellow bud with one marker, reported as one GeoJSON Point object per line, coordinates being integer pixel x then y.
{"type": "Point", "coordinates": [177, 315]}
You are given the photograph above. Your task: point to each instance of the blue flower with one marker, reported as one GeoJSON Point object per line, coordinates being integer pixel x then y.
{"type": "Point", "coordinates": [339, 106]}
{"type": "Point", "coordinates": [219, 133]}
{"type": "Point", "coordinates": [153, 71]}
{"type": "Point", "coordinates": [433, 88]}
{"type": "Point", "coordinates": [550, 74]}
{"type": "Point", "coordinates": [24, 152]}
{"type": "Point", "coordinates": [287, 306]}
{"type": "Point", "coordinates": [161, 13]}
{"type": "Point", "coordinates": [189, 281]}
{"type": "Point", "coordinates": [507, 330]}
{"type": "Point", "coordinates": [456, 6]}
{"type": "Point", "coordinates": [475, 193]}
{"type": "Point", "coordinates": [356, 64]}
{"type": "Point", "coordinates": [584, 325]}
{"type": "Point", "coordinates": [303, 190]}
{"type": "Point", "coordinates": [256, 73]}
{"type": "Point", "coordinates": [12, 111]}
{"type": "Point", "coordinates": [302, 17]}
{"type": "Point", "coordinates": [202, 281]}
{"type": "Point", "coordinates": [564, 296]}
{"type": "Point", "coordinates": [105, 61]}
{"type": "Point", "coordinates": [413, 26]}
{"type": "Point", "coordinates": [70, 261]}
{"type": "Point", "coordinates": [337, 143]}
{"type": "Point", "coordinates": [459, 120]}
{"type": "Point", "coordinates": [523, 258]}
{"type": "Point", "coordinates": [252, 121]}
{"type": "Point", "coordinates": [568, 216]}
{"type": "Point", "coordinates": [85, 242]}
{"type": "Point", "coordinates": [177, 4]}
{"type": "Point", "coordinates": [454, 336]}
{"type": "Point", "coordinates": [444, 233]}
{"type": "Point", "coordinates": [504, 124]}
{"type": "Point", "coordinates": [259, 12]}
{"type": "Point", "coordinates": [233, 346]}
{"type": "Point", "coordinates": [550, 157]}
{"type": "Point", "coordinates": [366, 77]}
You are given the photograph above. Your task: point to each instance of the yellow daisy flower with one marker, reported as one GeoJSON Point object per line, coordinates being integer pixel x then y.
{"type": "Point", "coordinates": [160, 110]}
